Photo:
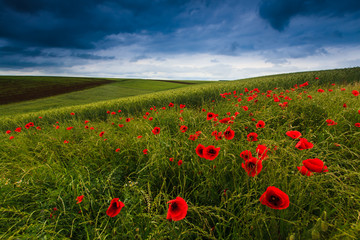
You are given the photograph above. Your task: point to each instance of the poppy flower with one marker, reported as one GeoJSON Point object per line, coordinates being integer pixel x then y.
{"type": "Point", "coordinates": [330, 122]}
{"type": "Point", "coordinates": [304, 144]}
{"type": "Point", "coordinates": [8, 131]}
{"type": "Point", "coordinates": [150, 118]}
{"type": "Point", "coordinates": [246, 155]}
{"type": "Point", "coordinates": [210, 152]}
{"type": "Point", "coordinates": [344, 105]}
{"type": "Point", "coordinates": [252, 166]}
{"type": "Point", "coordinates": [79, 199]}
{"type": "Point", "coordinates": [183, 128]}
{"type": "Point", "coordinates": [86, 121]}
{"type": "Point", "coordinates": [355, 93]}
{"type": "Point", "coordinates": [177, 209]}
{"type": "Point", "coordinates": [245, 108]}
{"type": "Point", "coordinates": [275, 198]}
{"type": "Point", "coordinates": [225, 120]}
{"type": "Point", "coordinates": [127, 120]}
{"type": "Point", "coordinates": [117, 150]}
{"type": "Point", "coordinates": [72, 113]}
{"type": "Point", "coordinates": [200, 150]}
{"type": "Point", "coordinates": [101, 134]}
{"type": "Point", "coordinates": [315, 165]}
{"type": "Point", "coordinates": [293, 134]}
{"type": "Point", "coordinates": [66, 141]}
{"type": "Point", "coordinates": [357, 124]}
{"type": "Point", "coordinates": [121, 125]}
{"type": "Point", "coordinates": [252, 137]}
{"type": "Point", "coordinates": [115, 207]}
{"type": "Point", "coordinates": [69, 128]}
{"type": "Point", "coordinates": [171, 104]}
{"type": "Point", "coordinates": [11, 137]}
{"type": "Point", "coordinates": [304, 171]}
{"type": "Point", "coordinates": [260, 124]}
{"type": "Point", "coordinates": [180, 162]}
{"type": "Point", "coordinates": [182, 105]}
{"type": "Point", "coordinates": [229, 134]}
{"type": "Point", "coordinates": [19, 128]}
{"type": "Point", "coordinates": [261, 151]}
{"type": "Point", "coordinates": [320, 90]}
{"type": "Point", "coordinates": [145, 151]}
{"type": "Point", "coordinates": [171, 159]}
{"type": "Point", "coordinates": [210, 115]}
{"type": "Point", "coordinates": [156, 130]}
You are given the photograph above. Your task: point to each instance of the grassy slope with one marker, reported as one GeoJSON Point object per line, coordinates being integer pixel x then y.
{"type": "Point", "coordinates": [115, 89]}
{"type": "Point", "coordinates": [41, 172]}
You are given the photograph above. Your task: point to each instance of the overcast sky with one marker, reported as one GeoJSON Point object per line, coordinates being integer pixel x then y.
{"type": "Point", "coordinates": [177, 39]}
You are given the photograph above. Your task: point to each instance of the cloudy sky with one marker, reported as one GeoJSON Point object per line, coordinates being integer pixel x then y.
{"type": "Point", "coordinates": [177, 39]}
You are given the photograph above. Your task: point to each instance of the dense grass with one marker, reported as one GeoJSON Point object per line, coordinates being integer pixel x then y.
{"type": "Point", "coordinates": [41, 172]}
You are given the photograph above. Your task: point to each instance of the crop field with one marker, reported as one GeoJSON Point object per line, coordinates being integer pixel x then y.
{"type": "Point", "coordinates": [274, 157]}
{"type": "Point", "coordinates": [32, 94]}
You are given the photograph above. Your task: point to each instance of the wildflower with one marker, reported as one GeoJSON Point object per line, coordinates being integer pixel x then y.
{"type": "Point", "coordinates": [115, 207]}
{"type": "Point", "coordinates": [315, 165]}
{"type": "Point", "coordinates": [117, 150]}
{"type": "Point", "coordinates": [101, 134]}
{"type": "Point", "coordinates": [246, 155]}
{"type": "Point", "coordinates": [320, 90]}
{"type": "Point", "coordinates": [229, 134]}
{"type": "Point", "coordinates": [171, 104]}
{"type": "Point", "coordinates": [252, 166]}
{"type": "Point", "coordinates": [72, 114]}
{"type": "Point", "coordinates": [293, 134]}
{"type": "Point", "coordinates": [8, 131]}
{"type": "Point", "coordinates": [180, 162]}
{"type": "Point", "coordinates": [19, 128]}
{"type": "Point", "coordinates": [275, 198]}
{"type": "Point", "coordinates": [79, 199]}
{"type": "Point", "coordinates": [357, 124]}
{"type": "Point", "coordinates": [183, 128]}
{"type": "Point", "coordinates": [156, 130]}
{"type": "Point", "coordinates": [355, 93]}
{"type": "Point", "coordinates": [200, 150]}
{"type": "Point", "coordinates": [66, 141]}
{"type": "Point", "coordinates": [210, 152]}
{"type": "Point", "coordinates": [69, 128]}
{"type": "Point", "coordinates": [304, 144]}
{"type": "Point", "coordinates": [145, 151]}
{"type": "Point", "coordinates": [177, 209]}
{"type": "Point", "coordinates": [252, 137]}
{"type": "Point", "coordinates": [210, 115]}
{"type": "Point", "coordinates": [11, 137]}
{"type": "Point", "coordinates": [261, 151]}
{"type": "Point", "coordinates": [260, 124]}
{"type": "Point", "coordinates": [304, 171]}
{"type": "Point", "coordinates": [330, 122]}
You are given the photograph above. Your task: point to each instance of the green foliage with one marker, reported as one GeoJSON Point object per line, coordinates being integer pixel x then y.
{"type": "Point", "coordinates": [40, 172]}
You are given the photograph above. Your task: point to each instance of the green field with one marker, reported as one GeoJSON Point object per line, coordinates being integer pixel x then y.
{"type": "Point", "coordinates": [32, 94]}
{"type": "Point", "coordinates": [45, 168]}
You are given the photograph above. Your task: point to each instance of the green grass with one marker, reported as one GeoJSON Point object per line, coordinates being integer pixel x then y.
{"type": "Point", "coordinates": [73, 93]}
{"type": "Point", "coordinates": [40, 172]}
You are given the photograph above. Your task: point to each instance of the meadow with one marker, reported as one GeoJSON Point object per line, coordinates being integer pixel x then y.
{"type": "Point", "coordinates": [62, 168]}
{"type": "Point", "coordinates": [24, 94]}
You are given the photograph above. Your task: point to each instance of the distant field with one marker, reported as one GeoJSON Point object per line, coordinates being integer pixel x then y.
{"type": "Point", "coordinates": [31, 94]}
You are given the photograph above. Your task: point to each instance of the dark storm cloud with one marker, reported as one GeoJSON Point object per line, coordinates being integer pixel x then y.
{"type": "Point", "coordinates": [279, 12]}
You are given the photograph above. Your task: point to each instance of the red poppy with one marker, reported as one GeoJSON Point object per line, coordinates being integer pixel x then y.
{"type": "Point", "coordinates": [171, 104]}
{"type": "Point", "coordinates": [320, 90]}
{"type": "Point", "coordinates": [115, 207]}
{"type": "Point", "coordinates": [200, 150]}
{"type": "Point", "coordinates": [358, 112]}
{"type": "Point", "coordinates": [19, 128]}
{"type": "Point", "coordinates": [229, 134]}
{"type": "Point", "coordinates": [210, 152]}
{"type": "Point", "coordinates": [121, 125]}
{"type": "Point", "coordinates": [252, 166]}
{"type": "Point", "coordinates": [72, 113]}
{"type": "Point", "coordinates": [304, 144]}
{"type": "Point", "coordinates": [316, 78]}
{"type": "Point", "coordinates": [79, 199]}
{"type": "Point", "coordinates": [252, 137]}
{"type": "Point", "coordinates": [293, 134]}
{"type": "Point", "coordinates": [275, 198]}
{"type": "Point", "coordinates": [210, 115]}
{"type": "Point", "coordinates": [355, 93]}
{"type": "Point", "coordinates": [246, 155]}
{"type": "Point", "coordinates": [304, 171]}
{"type": "Point", "coordinates": [117, 150]}
{"type": "Point", "coordinates": [183, 128]}
{"type": "Point", "coordinates": [8, 131]}
{"type": "Point", "coordinates": [182, 105]}
{"type": "Point", "coordinates": [180, 162]}
{"type": "Point", "coordinates": [315, 165]}
{"type": "Point", "coordinates": [11, 137]}
{"type": "Point", "coordinates": [86, 121]}
{"type": "Point", "coordinates": [177, 209]}
{"type": "Point", "coordinates": [66, 141]}
{"type": "Point", "coordinates": [260, 124]}
{"type": "Point", "coordinates": [101, 134]}
{"type": "Point", "coordinates": [357, 124]}
{"type": "Point", "coordinates": [69, 128]}
{"type": "Point", "coordinates": [156, 130]}
{"type": "Point", "coordinates": [330, 122]}
{"type": "Point", "coordinates": [171, 159]}
{"type": "Point", "coordinates": [150, 118]}
{"type": "Point", "coordinates": [225, 120]}
{"type": "Point", "coordinates": [145, 151]}
{"type": "Point", "coordinates": [128, 120]}
{"type": "Point", "coordinates": [245, 108]}
{"type": "Point", "coordinates": [344, 105]}
{"type": "Point", "coordinates": [261, 151]}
